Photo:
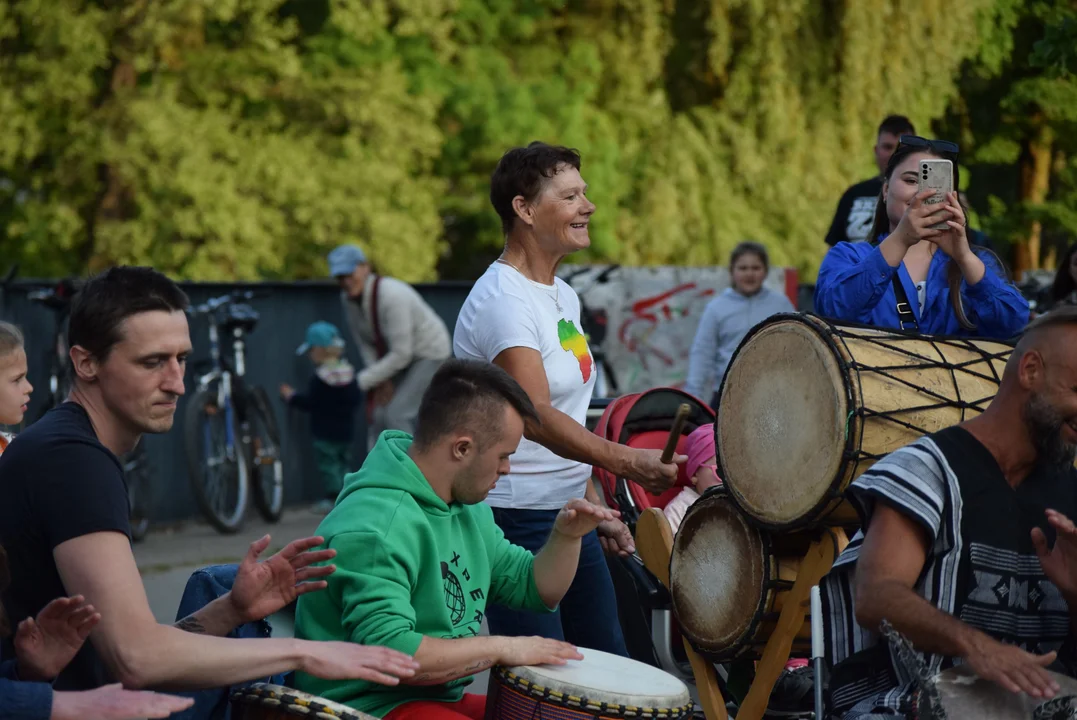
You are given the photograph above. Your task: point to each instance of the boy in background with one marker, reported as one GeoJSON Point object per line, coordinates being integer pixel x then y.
{"type": "Point", "coordinates": [331, 400]}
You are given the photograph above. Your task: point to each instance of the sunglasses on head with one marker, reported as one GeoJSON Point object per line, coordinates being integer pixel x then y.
{"type": "Point", "coordinates": [937, 146]}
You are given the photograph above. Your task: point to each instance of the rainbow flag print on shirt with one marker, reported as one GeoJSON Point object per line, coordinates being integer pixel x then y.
{"type": "Point", "coordinates": [575, 343]}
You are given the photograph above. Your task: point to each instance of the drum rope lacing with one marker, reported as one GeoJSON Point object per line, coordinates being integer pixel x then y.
{"type": "Point", "coordinates": [892, 343]}
{"type": "Point", "coordinates": [515, 682]}
{"type": "Point", "coordinates": [299, 705]}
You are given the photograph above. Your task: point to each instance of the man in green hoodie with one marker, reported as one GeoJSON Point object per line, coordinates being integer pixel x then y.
{"type": "Point", "coordinates": [419, 555]}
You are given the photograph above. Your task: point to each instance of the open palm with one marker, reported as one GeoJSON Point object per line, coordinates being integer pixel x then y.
{"type": "Point", "coordinates": [1059, 562]}
{"type": "Point", "coordinates": [263, 588]}
{"type": "Point", "coordinates": [579, 517]}
{"type": "Point", "coordinates": [46, 644]}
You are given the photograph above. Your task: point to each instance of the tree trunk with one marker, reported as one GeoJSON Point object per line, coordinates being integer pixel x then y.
{"type": "Point", "coordinates": [1035, 178]}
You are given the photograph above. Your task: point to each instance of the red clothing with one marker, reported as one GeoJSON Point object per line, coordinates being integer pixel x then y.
{"type": "Point", "coordinates": [471, 707]}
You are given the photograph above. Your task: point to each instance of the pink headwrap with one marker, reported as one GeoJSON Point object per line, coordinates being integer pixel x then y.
{"type": "Point", "coordinates": [699, 447]}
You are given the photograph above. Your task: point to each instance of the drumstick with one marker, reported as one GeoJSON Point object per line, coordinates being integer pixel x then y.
{"type": "Point", "coordinates": [817, 648]}
{"type": "Point", "coordinates": [675, 432]}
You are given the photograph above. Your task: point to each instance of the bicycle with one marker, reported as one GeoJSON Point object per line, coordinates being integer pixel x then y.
{"type": "Point", "coordinates": [231, 433]}
{"type": "Point", "coordinates": [137, 469]}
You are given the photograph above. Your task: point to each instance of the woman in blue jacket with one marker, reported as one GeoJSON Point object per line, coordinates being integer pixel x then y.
{"type": "Point", "coordinates": [951, 287]}
{"type": "Point", "coordinates": [728, 318]}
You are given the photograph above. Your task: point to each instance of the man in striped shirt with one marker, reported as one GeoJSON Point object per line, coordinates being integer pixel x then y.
{"type": "Point", "coordinates": [967, 547]}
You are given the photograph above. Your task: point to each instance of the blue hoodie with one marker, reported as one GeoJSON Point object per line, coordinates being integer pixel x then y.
{"type": "Point", "coordinates": [726, 320]}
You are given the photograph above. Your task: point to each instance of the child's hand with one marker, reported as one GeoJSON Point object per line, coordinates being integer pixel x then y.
{"type": "Point", "coordinates": [287, 392]}
{"type": "Point", "coordinates": [46, 644]}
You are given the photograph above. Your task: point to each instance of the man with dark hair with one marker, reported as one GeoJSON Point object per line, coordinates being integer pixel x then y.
{"type": "Point", "coordinates": [967, 546]}
{"type": "Point", "coordinates": [856, 209]}
{"type": "Point", "coordinates": [419, 555]}
{"type": "Point", "coordinates": [64, 514]}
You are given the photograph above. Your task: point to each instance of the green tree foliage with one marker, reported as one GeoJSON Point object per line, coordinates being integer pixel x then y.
{"type": "Point", "coordinates": [1016, 117]}
{"type": "Point", "coordinates": [222, 139]}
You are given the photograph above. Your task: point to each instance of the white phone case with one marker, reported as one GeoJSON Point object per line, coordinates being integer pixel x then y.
{"type": "Point", "coordinates": [937, 175]}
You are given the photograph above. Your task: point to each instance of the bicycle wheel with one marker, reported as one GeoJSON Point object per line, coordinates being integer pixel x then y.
{"type": "Point", "coordinates": [268, 475]}
{"type": "Point", "coordinates": [139, 476]}
{"type": "Point", "coordinates": [219, 474]}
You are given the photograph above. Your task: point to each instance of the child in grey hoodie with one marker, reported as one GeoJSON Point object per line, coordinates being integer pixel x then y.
{"type": "Point", "coordinates": [728, 318]}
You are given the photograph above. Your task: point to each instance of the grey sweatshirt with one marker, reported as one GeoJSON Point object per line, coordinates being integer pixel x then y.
{"type": "Point", "coordinates": [411, 330]}
{"type": "Point", "coordinates": [726, 320]}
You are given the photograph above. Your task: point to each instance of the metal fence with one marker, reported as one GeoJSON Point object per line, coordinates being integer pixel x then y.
{"type": "Point", "coordinates": [271, 360]}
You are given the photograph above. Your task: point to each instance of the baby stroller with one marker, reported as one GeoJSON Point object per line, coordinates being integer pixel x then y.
{"type": "Point", "coordinates": [644, 420]}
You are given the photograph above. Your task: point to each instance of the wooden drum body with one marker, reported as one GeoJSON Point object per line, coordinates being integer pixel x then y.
{"type": "Point", "coordinates": [599, 686]}
{"type": "Point", "coordinates": [729, 580]}
{"type": "Point", "coordinates": [263, 701]}
{"type": "Point", "coordinates": [807, 406]}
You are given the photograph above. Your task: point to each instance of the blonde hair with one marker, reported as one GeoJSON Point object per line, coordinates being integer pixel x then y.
{"type": "Point", "coordinates": [11, 339]}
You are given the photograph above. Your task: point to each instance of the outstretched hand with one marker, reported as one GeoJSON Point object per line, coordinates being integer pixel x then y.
{"type": "Point", "coordinates": [46, 644]}
{"type": "Point", "coordinates": [1060, 562]}
{"type": "Point", "coordinates": [616, 538]}
{"type": "Point", "coordinates": [579, 517]}
{"type": "Point", "coordinates": [263, 588]}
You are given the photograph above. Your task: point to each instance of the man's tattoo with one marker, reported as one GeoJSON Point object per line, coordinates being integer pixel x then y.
{"type": "Point", "coordinates": [480, 665]}
{"type": "Point", "coordinates": [191, 624]}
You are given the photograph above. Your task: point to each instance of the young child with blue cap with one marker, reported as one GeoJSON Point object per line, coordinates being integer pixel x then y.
{"type": "Point", "coordinates": [331, 400]}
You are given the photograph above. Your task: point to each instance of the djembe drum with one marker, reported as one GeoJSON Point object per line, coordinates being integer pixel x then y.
{"type": "Point", "coordinates": [263, 701]}
{"type": "Point", "coordinates": [807, 405]}
{"type": "Point", "coordinates": [729, 580]}
{"type": "Point", "coordinates": [962, 694]}
{"type": "Point", "coordinates": [599, 686]}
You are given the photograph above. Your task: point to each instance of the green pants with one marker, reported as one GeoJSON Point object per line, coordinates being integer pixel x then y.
{"type": "Point", "coordinates": [334, 462]}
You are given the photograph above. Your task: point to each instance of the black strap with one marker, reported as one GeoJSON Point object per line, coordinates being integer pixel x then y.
{"type": "Point", "coordinates": [906, 318]}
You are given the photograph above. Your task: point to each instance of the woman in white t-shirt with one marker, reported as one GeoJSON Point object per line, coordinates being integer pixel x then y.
{"type": "Point", "coordinates": [520, 316]}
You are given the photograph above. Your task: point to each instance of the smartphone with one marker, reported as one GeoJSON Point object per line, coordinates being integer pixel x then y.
{"type": "Point", "coordinates": [937, 175]}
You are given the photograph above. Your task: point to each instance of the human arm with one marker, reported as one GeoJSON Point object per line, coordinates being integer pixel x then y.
{"type": "Point", "coordinates": [703, 357]}
{"type": "Point", "coordinates": [112, 702]}
{"type": "Point", "coordinates": [564, 436]}
{"type": "Point", "coordinates": [555, 565]}
{"type": "Point", "coordinates": [46, 644]}
{"type": "Point", "coordinates": [854, 277]}
{"type": "Point", "coordinates": [891, 560]}
{"type": "Point", "coordinates": [394, 304]}
{"type": "Point", "coordinates": [613, 535]}
{"type": "Point", "coordinates": [263, 588]}
{"type": "Point", "coordinates": [26, 700]}
{"type": "Point", "coordinates": [141, 653]}
{"type": "Point", "coordinates": [1059, 561]}
{"type": "Point", "coordinates": [296, 399]}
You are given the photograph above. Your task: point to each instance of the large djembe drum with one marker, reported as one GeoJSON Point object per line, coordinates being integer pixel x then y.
{"type": "Point", "coordinates": [808, 405]}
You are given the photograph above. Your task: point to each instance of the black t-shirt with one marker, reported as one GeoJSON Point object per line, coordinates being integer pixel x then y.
{"type": "Point", "coordinates": [57, 482]}
{"type": "Point", "coordinates": [856, 213]}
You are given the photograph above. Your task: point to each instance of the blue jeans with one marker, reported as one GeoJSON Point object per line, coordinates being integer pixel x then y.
{"type": "Point", "coordinates": [587, 616]}
{"type": "Point", "coordinates": [204, 586]}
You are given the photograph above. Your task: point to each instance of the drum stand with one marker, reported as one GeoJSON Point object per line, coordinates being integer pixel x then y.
{"type": "Point", "coordinates": [654, 539]}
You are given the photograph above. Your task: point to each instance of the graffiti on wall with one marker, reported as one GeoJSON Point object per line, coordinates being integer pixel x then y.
{"type": "Point", "coordinates": [641, 321]}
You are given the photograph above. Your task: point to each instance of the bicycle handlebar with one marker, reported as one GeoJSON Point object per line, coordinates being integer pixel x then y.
{"type": "Point", "coordinates": [236, 296]}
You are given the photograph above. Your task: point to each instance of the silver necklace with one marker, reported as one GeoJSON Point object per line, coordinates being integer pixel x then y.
{"type": "Point", "coordinates": [557, 291]}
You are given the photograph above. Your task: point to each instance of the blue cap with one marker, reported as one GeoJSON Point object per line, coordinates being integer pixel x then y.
{"type": "Point", "coordinates": [344, 260]}
{"type": "Point", "coordinates": [321, 334]}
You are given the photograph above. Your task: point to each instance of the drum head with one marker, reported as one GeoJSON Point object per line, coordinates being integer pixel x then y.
{"type": "Point", "coordinates": [964, 695]}
{"type": "Point", "coordinates": [610, 679]}
{"type": "Point", "coordinates": [781, 423]}
{"type": "Point", "coordinates": [286, 701]}
{"type": "Point", "coordinates": [718, 571]}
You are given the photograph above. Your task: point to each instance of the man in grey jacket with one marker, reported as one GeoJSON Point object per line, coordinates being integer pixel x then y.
{"type": "Point", "coordinates": [401, 340]}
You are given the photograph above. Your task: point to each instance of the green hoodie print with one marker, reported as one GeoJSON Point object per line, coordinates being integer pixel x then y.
{"type": "Point", "coordinates": [408, 565]}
